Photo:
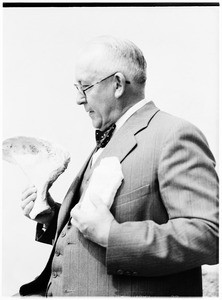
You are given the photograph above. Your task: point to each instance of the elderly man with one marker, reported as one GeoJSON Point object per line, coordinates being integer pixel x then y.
{"type": "Point", "coordinates": [163, 223]}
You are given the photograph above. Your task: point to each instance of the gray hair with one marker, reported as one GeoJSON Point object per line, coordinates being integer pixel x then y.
{"type": "Point", "coordinates": [125, 56]}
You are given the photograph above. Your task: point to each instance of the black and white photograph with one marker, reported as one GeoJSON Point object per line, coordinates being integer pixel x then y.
{"type": "Point", "coordinates": [110, 149]}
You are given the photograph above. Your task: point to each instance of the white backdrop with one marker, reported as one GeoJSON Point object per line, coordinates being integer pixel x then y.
{"type": "Point", "coordinates": [181, 46]}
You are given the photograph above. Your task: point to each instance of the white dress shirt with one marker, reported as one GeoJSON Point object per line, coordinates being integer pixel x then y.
{"type": "Point", "coordinates": [120, 122]}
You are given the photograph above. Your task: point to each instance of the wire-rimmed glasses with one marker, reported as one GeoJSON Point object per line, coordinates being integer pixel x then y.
{"type": "Point", "coordinates": [82, 90]}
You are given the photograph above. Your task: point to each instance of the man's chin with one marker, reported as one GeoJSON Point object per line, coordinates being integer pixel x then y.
{"type": "Point", "coordinates": [96, 125]}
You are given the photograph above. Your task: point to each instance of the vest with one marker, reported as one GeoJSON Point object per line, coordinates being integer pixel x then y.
{"type": "Point", "coordinates": [70, 259]}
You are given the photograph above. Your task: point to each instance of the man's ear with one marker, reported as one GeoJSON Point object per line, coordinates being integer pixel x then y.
{"type": "Point", "coordinates": [120, 83]}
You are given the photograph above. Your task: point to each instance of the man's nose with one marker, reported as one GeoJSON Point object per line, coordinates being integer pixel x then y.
{"type": "Point", "coordinates": [80, 99]}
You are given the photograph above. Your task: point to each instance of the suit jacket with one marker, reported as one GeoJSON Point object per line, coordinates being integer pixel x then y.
{"type": "Point", "coordinates": [166, 211]}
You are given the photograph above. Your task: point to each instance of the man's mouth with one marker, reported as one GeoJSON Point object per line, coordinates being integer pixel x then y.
{"type": "Point", "coordinates": [91, 112]}
{"type": "Point", "coordinates": [88, 110]}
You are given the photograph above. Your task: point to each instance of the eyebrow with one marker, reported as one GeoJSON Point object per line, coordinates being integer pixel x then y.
{"type": "Point", "coordinates": [80, 82]}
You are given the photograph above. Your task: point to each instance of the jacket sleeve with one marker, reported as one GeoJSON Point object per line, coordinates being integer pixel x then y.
{"type": "Point", "coordinates": [188, 187]}
{"type": "Point", "coordinates": [47, 236]}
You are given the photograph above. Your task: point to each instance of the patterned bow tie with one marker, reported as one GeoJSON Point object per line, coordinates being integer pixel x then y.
{"type": "Point", "coordinates": [103, 137]}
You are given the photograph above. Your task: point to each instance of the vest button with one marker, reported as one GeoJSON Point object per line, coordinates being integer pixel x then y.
{"type": "Point", "coordinates": [128, 273]}
{"type": "Point", "coordinates": [54, 274]}
{"type": "Point", "coordinates": [63, 234]}
{"type": "Point", "coordinates": [120, 272]}
{"type": "Point", "coordinates": [57, 253]}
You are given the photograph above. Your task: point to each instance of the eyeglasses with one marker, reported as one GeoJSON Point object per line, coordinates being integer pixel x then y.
{"type": "Point", "coordinates": [82, 90]}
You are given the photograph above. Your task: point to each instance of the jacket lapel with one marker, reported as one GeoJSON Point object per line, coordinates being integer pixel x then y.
{"type": "Point", "coordinates": [70, 200]}
{"type": "Point", "coordinates": [124, 141]}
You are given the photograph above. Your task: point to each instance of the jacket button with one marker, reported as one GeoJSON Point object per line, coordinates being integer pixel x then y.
{"type": "Point", "coordinates": [57, 253]}
{"type": "Point", "coordinates": [54, 274]}
{"type": "Point", "coordinates": [120, 272]}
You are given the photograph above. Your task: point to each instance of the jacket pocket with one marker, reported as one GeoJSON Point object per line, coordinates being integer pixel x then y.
{"type": "Point", "coordinates": [131, 196]}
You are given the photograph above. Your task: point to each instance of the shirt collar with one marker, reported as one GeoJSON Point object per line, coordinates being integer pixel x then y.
{"type": "Point", "coordinates": [129, 113]}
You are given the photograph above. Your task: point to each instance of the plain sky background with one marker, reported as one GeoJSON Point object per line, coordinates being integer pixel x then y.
{"type": "Point", "coordinates": [181, 45]}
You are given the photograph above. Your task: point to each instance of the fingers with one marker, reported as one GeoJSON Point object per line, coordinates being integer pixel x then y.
{"type": "Point", "coordinates": [28, 197]}
{"type": "Point", "coordinates": [74, 223]}
{"type": "Point", "coordinates": [27, 200]}
{"type": "Point", "coordinates": [93, 221]}
{"type": "Point", "coordinates": [28, 191]}
{"type": "Point", "coordinates": [76, 215]}
{"type": "Point", "coordinates": [75, 211]}
{"type": "Point", "coordinates": [27, 209]}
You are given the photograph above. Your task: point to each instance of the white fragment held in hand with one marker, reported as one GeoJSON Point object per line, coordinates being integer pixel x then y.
{"type": "Point", "coordinates": [104, 183]}
{"type": "Point", "coordinates": [41, 161]}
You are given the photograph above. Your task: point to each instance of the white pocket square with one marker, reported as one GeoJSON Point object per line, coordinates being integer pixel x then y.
{"type": "Point", "coordinates": [104, 183]}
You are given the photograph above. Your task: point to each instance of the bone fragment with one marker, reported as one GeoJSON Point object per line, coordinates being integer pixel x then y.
{"type": "Point", "coordinates": [41, 161]}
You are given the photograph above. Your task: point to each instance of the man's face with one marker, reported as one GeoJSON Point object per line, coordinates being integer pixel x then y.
{"type": "Point", "coordinates": [100, 101]}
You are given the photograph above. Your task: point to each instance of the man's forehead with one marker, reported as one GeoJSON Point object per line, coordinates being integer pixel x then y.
{"type": "Point", "coordinates": [85, 71]}
{"type": "Point", "coordinates": [89, 62]}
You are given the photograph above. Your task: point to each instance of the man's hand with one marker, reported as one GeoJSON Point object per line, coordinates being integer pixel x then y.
{"type": "Point", "coordinates": [94, 226]}
{"type": "Point", "coordinates": [28, 198]}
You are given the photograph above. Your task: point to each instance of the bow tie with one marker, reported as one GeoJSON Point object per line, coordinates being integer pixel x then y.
{"type": "Point", "coordinates": [103, 137]}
